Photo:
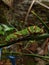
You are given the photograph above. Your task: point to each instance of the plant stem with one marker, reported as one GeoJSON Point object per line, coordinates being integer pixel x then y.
{"type": "Point", "coordinates": [23, 54]}
{"type": "Point", "coordinates": [46, 27]}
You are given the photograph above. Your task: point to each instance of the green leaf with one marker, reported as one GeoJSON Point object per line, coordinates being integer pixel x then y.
{"type": "Point", "coordinates": [1, 30]}
{"type": "Point", "coordinates": [7, 28]}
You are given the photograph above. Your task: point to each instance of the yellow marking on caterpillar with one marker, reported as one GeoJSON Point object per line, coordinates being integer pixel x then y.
{"type": "Point", "coordinates": [18, 35]}
{"type": "Point", "coordinates": [29, 30]}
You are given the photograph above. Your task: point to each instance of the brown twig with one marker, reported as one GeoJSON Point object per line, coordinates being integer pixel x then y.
{"type": "Point", "coordinates": [33, 1]}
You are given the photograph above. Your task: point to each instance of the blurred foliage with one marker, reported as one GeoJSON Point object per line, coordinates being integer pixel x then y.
{"type": "Point", "coordinates": [13, 26]}
{"type": "Point", "coordinates": [4, 29]}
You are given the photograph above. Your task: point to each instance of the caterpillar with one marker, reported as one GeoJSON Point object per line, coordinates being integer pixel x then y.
{"type": "Point", "coordinates": [27, 31]}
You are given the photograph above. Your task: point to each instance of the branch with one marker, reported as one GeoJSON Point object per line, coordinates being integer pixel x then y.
{"type": "Point", "coordinates": [43, 4]}
{"type": "Point", "coordinates": [29, 37]}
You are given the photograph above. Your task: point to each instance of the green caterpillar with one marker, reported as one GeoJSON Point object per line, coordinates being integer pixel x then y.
{"type": "Point", "coordinates": [24, 32]}
{"type": "Point", "coordinates": [6, 38]}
